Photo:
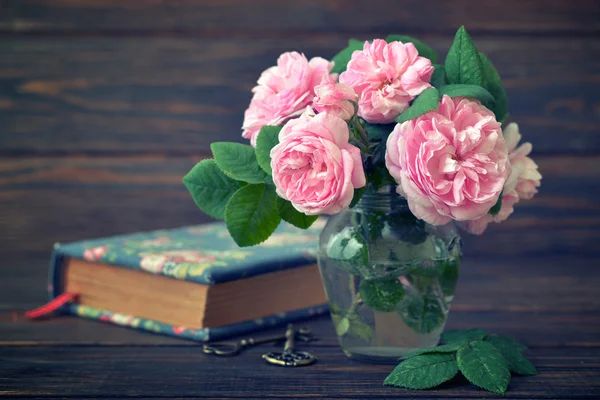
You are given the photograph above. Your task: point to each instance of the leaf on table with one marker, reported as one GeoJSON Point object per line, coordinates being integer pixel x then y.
{"type": "Point", "coordinates": [462, 335]}
{"type": "Point", "coordinates": [484, 366]}
{"type": "Point", "coordinates": [511, 351]}
{"type": "Point", "coordinates": [423, 371]}
{"type": "Point", "coordinates": [445, 348]}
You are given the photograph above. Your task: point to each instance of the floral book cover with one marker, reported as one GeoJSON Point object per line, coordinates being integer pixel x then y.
{"type": "Point", "coordinates": [203, 254]}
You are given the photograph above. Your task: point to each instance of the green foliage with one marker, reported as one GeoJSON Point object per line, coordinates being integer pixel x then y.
{"type": "Point", "coordinates": [447, 273]}
{"type": "Point", "coordinates": [251, 215]}
{"type": "Point", "coordinates": [423, 313]}
{"type": "Point", "coordinates": [381, 294]}
{"type": "Point", "coordinates": [358, 193]}
{"type": "Point", "coordinates": [438, 78]}
{"type": "Point", "coordinates": [511, 351]}
{"type": "Point", "coordinates": [463, 64]}
{"type": "Point", "coordinates": [423, 371]}
{"type": "Point", "coordinates": [348, 323]}
{"type": "Point", "coordinates": [349, 249]}
{"type": "Point", "coordinates": [408, 228]}
{"type": "Point", "coordinates": [422, 48]}
{"type": "Point", "coordinates": [341, 59]}
{"type": "Point", "coordinates": [494, 85]}
{"type": "Point", "coordinates": [498, 206]}
{"type": "Point", "coordinates": [462, 335]}
{"type": "Point", "coordinates": [210, 188]}
{"type": "Point", "coordinates": [445, 348]}
{"type": "Point", "coordinates": [379, 131]}
{"type": "Point", "coordinates": [484, 366]}
{"type": "Point", "coordinates": [238, 161]}
{"type": "Point", "coordinates": [425, 102]}
{"type": "Point", "coordinates": [289, 214]}
{"type": "Point", "coordinates": [268, 137]}
{"type": "Point", "coordinates": [473, 91]}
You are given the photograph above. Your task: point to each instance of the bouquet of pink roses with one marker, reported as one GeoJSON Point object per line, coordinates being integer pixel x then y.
{"type": "Point", "coordinates": [379, 113]}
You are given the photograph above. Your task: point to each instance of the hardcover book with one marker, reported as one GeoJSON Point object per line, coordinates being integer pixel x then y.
{"type": "Point", "coordinates": [192, 282]}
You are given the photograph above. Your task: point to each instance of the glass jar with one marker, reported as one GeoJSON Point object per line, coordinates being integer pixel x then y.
{"type": "Point", "coordinates": [389, 277]}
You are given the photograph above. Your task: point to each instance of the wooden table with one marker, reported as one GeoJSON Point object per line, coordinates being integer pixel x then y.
{"type": "Point", "coordinates": [550, 303]}
{"type": "Point", "coordinates": [105, 105]}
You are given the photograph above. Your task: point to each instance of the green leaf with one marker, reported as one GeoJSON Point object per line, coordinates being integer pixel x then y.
{"type": "Point", "coordinates": [462, 335]}
{"type": "Point", "coordinates": [494, 85]}
{"type": "Point", "coordinates": [483, 365]}
{"type": "Point", "coordinates": [511, 351]}
{"type": "Point", "coordinates": [423, 313]}
{"type": "Point", "coordinates": [210, 188]}
{"type": "Point", "coordinates": [422, 48]}
{"type": "Point", "coordinates": [445, 348]}
{"type": "Point", "coordinates": [358, 193]}
{"type": "Point", "coordinates": [447, 272]}
{"type": "Point", "coordinates": [498, 206]}
{"type": "Point", "coordinates": [379, 131]}
{"type": "Point", "coordinates": [423, 372]}
{"type": "Point", "coordinates": [359, 328]}
{"type": "Point", "coordinates": [381, 294]}
{"type": "Point", "coordinates": [341, 328]}
{"type": "Point", "coordinates": [520, 346]}
{"type": "Point", "coordinates": [289, 214]}
{"type": "Point", "coordinates": [268, 137]}
{"type": "Point", "coordinates": [425, 102]}
{"type": "Point", "coordinates": [463, 64]}
{"type": "Point", "coordinates": [438, 78]}
{"type": "Point", "coordinates": [348, 249]}
{"type": "Point", "coordinates": [472, 91]}
{"type": "Point", "coordinates": [342, 58]}
{"type": "Point", "coordinates": [251, 214]}
{"type": "Point", "coordinates": [238, 161]}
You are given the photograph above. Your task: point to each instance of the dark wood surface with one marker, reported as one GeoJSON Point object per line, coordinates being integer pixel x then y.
{"type": "Point", "coordinates": [105, 105]}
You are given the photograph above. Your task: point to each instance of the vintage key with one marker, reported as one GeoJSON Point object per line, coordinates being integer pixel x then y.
{"type": "Point", "coordinates": [289, 357]}
{"type": "Point", "coordinates": [234, 348]}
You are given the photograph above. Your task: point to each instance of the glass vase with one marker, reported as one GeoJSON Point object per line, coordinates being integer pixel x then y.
{"type": "Point", "coordinates": [389, 277]}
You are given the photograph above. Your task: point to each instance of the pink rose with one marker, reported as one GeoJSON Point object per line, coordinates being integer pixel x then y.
{"type": "Point", "coordinates": [283, 92]}
{"type": "Point", "coordinates": [525, 177]}
{"type": "Point", "coordinates": [332, 97]}
{"type": "Point", "coordinates": [386, 76]}
{"type": "Point", "coordinates": [478, 226]}
{"type": "Point", "coordinates": [451, 163]}
{"type": "Point", "coordinates": [314, 166]}
{"type": "Point", "coordinates": [522, 183]}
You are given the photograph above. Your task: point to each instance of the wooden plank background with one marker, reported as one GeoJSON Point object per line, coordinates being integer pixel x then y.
{"type": "Point", "coordinates": [105, 105]}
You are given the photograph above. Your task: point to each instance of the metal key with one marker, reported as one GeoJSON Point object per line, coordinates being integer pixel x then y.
{"type": "Point", "coordinates": [289, 357]}
{"type": "Point", "coordinates": [234, 348]}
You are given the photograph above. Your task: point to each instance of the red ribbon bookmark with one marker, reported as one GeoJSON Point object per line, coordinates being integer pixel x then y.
{"type": "Point", "coordinates": [52, 306]}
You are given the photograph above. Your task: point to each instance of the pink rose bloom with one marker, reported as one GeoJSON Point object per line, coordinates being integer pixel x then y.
{"type": "Point", "coordinates": [332, 98]}
{"type": "Point", "coordinates": [478, 226]}
{"type": "Point", "coordinates": [283, 92]}
{"type": "Point", "coordinates": [525, 175]}
{"type": "Point", "coordinates": [451, 163]}
{"type": "Point", "coordinates": [386, 76]}
{"type": "Point", "coordinates": [521, 184]}
{"type": "Point", "coordinates": [314, 166]}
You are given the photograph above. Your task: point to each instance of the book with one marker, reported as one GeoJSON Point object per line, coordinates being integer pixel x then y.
{"type": "Point", "coordinates": [192, 282]}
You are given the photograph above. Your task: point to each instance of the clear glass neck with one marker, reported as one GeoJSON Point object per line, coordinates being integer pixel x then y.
{"type": "Point", "coordinates": [386, 200]}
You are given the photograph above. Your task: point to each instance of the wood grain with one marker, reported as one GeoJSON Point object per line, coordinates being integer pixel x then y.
{"type": "Point", "coordinates": [264, 17]}
{"type": "Point", "coordinates": [177, 95]}
{"type": "Point", "coordinates": [44, 200]}
{"type": "Point", "coordinates": [183, 372]}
